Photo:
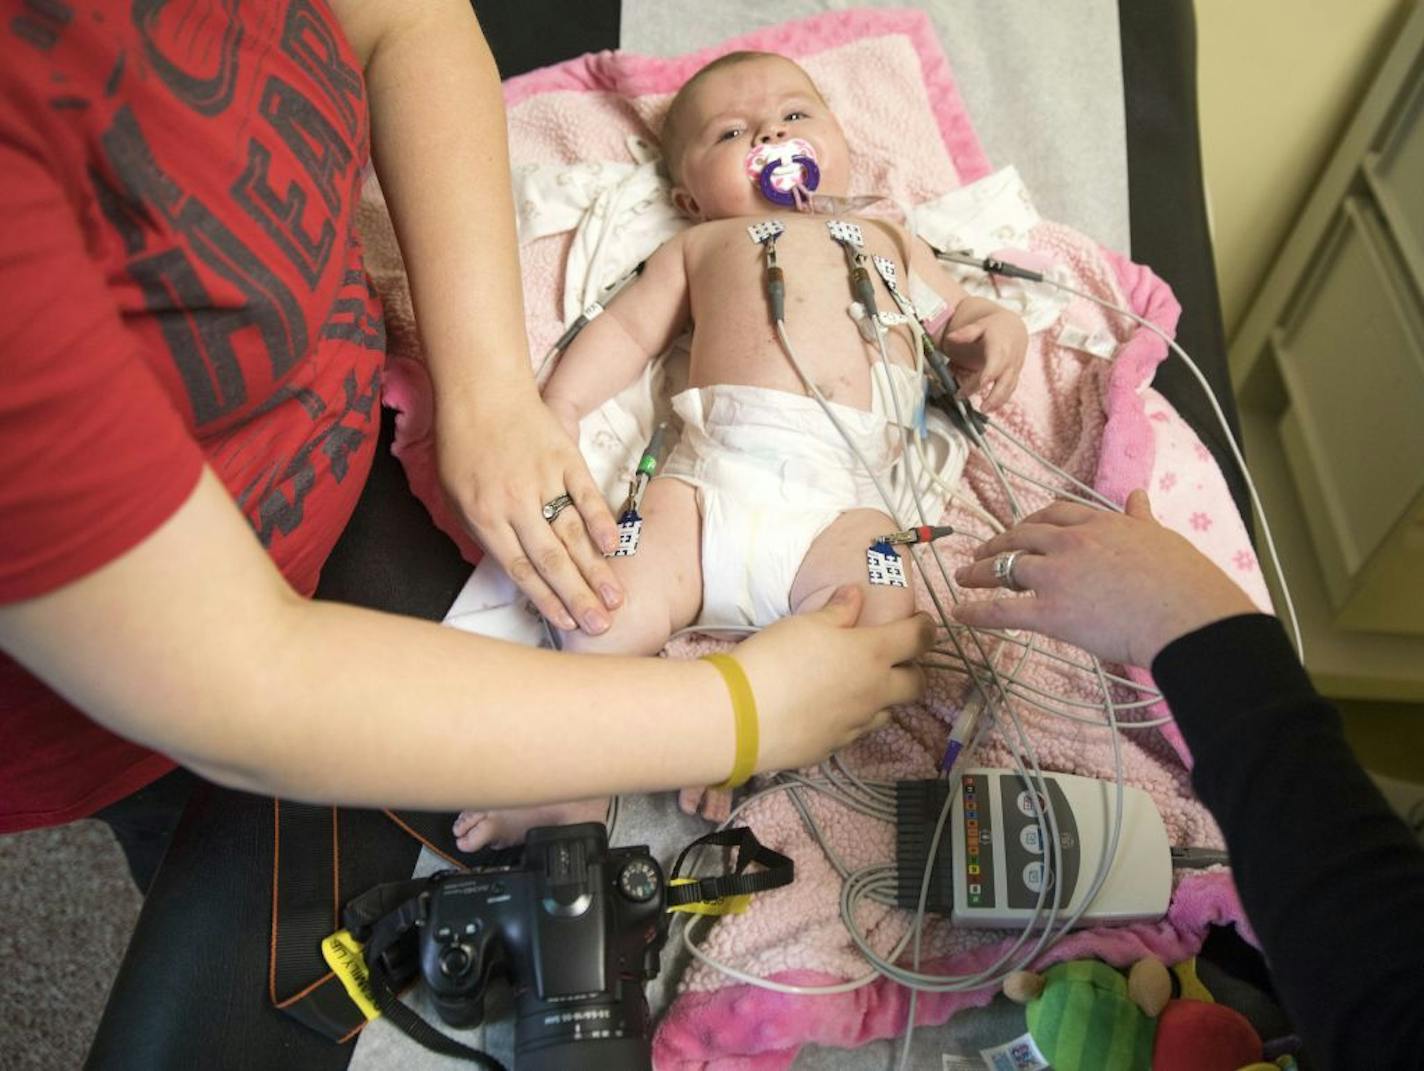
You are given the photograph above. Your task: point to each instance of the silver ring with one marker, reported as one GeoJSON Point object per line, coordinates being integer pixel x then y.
{"type": "Point", "coordinates": [557, 505]}
{"type": "Point", "coordinates": [1004, 570]}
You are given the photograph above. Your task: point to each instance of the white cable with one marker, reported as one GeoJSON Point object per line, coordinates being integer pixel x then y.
{"type": "Point", "coordinates": [1024, 692]}
{"type": "Point", "coordinates": [1126, 682]}
{"type": "Point", "coordinates": [1150, 694]}
{"type": "Point", "coordinates": [862, 796]}
{"type": "Point", "coordinates": [1230, 440]}
{"type": "Point", "coordinates": [1058, 492]}
{"type": "Point", "coordinates": [767, 983]}
{"type": "Point", "coordinates": [1132, 704]}
{"type": "Point", "coordinates": [955, 496]}
{"type": "Point", "coordinates": [1087, 489]}
{"type": "Point", "coordinates": [871, 473]}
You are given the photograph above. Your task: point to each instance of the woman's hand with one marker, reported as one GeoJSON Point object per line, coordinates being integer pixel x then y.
{"type": "Point", "coordinates": [988, 350]}
{"type": "Point", "coordinates": [501, 458]}
{"type": "Point", "coordinates": [821, 683]}
{"type": "Point", "coordinates": [1118, 585]}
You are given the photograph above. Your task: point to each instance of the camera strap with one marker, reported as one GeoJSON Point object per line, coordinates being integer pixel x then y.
{"type": "Point", "coordinates": [386, 931]}
{"type": "Point", "coordinates": [704, 895]}
{"type": "Point", "coordinates": [318, 853]}
{"type": "Point", "coordinates": [360, 970]}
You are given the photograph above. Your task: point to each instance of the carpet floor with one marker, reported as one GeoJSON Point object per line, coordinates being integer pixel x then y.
{"type": "Point", "coordinates": [69, 907]}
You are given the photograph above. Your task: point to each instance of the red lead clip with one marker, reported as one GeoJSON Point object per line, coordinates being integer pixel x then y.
{"type": "Point", "coordinates": [925, 533]}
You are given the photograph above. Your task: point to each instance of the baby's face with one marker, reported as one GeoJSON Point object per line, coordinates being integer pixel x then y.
{"type": "Point", "coordinates": [736, 108]}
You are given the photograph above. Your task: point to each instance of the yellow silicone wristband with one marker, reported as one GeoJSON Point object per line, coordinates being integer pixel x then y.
{"type": "Point", "coordinates": [745, 712]}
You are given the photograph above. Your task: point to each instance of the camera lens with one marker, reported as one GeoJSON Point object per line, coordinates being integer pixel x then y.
{"type": "Point", "coordinates": [622, 1054]}
{"type": "Point", "coordinates": [454, 961]}
{"type": "Point", "coordinates": [610, 1032]}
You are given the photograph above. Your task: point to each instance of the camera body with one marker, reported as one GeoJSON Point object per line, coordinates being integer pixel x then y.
{"type": "Point", "coordinates": [577, 928]}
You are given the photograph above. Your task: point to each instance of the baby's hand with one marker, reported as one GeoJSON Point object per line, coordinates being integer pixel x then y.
{"type": "Point", "coordinates": [991, 351]}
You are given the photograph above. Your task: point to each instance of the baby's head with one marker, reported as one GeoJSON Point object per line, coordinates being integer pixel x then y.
{"type": "Point", "coordinates": [724, 111]}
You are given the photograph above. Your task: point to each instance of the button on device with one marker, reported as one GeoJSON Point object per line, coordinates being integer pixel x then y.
{"type": "Point", "coordinates": [1031, 837]}
{"type": "Point", "coordinates": [1026, 803]}
{"type": "Point", "coordinates": [454, 961]}
{"type": "Point", "coordinates": [1033, 876]}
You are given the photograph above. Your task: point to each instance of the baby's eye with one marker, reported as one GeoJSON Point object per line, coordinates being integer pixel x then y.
{"type": "Point", "coordinates": [791, 117]}
{"type": "Point", "coordinates": [728, 135]}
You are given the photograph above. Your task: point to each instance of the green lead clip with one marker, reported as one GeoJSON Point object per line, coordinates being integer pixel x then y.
{"type": "Point", "coordinates": [647, 466]}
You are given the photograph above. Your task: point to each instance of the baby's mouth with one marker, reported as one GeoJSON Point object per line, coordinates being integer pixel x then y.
{"type": "Point", "coordinates": [781, 169]}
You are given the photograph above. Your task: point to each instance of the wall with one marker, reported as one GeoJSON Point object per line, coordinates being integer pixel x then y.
{"type": "Point", "coordinates": [1277, 81]}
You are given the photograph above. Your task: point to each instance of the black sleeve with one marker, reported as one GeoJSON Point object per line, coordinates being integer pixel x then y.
{"type": "Point", "coordinates": [1331, 879]}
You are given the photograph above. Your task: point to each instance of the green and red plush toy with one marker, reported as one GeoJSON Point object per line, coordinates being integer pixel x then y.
{"type": "Point", "coordinates": [1085, 1016]}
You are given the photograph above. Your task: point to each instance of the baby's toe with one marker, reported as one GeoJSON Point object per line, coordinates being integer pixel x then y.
{"type": "Point", "coordinates": [690, 799]}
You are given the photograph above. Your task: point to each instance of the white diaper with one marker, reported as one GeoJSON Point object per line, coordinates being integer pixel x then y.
{"type": "Point", "coordinates": [772, 473]}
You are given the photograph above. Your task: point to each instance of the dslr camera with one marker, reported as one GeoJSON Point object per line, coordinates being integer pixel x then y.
{"type": "Point", "coordinates": [577, 929]}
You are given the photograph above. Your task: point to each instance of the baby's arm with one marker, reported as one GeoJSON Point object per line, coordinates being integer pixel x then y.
{"type": "Point", "coordinates": [640, 323]}
{"type": "Point", "coordinates": [984, 341]}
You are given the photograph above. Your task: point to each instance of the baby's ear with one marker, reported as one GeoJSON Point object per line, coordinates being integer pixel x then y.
{"type": "Point", "coordinates": [685, 203]}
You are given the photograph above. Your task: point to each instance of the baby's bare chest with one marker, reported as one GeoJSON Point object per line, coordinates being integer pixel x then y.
{"type": "Point", "coordinates": [734, 338]}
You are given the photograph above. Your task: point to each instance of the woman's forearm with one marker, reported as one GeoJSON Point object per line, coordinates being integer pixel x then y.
{"type": "Point", "coordinates": [192, 644]}
{"type": "Point", "coordinates": [441, 150]}
{"type": "Point", "coordinates": [485, 723]}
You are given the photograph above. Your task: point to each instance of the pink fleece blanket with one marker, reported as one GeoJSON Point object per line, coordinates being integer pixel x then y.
{"type": "Point", "coordinates": [885, 75]}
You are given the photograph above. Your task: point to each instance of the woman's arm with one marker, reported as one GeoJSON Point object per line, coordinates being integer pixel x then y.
{"type": "Point", "coordinates": [441, 151]}
{"type": "Point", "coordinates": [193, 644]}
{"type": "Point", "coordinates": [1331, 880]}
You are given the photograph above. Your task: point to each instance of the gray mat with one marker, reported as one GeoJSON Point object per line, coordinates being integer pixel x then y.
{"type": "Point", "coordinates": [656, 821]}
{"type": "Point", "coordinates": [1043, 83]}
{"type": "Point", "coordinates": [1041, 80]}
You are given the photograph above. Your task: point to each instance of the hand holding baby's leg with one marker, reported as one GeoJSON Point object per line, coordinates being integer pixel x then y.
{"type": "Point", "coordinates": [836, 557]}
{"type": "Point", "coordinates": [663, 582]}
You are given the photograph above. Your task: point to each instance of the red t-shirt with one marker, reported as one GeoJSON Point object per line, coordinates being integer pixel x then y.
{"type": "Point", "coordinates": [182, 284]}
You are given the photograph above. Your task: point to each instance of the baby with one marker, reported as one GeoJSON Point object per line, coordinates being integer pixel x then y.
{"type": "Point", "coordinates": [762, 510]}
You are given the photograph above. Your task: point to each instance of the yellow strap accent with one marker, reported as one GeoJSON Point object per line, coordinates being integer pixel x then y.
{"type": "Point", "coordinates": [745, 712]}
{"type": "Point", "coordinates": [723, 905]}
{"type": "Point", "coordinates": [342, 953]}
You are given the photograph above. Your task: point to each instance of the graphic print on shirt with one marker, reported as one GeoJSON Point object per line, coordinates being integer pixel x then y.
{"type": "Point", "coordinates": [167, 51]}
{"type": "Point", "coordinates": [188, 289]}
{"type": "Point", "coordinates": [280, 492]}
{"type": "Point", "coordinates": [232, 288]}
{"type": "Point", "coordinates": [197, 333]}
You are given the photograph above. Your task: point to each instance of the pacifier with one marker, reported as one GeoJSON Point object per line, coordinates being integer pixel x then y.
{"type": "Point", "coordinates": [784, 171]}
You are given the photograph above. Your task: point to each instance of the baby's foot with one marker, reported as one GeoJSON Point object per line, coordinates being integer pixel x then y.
{"type": "Point", "coordinates": [713, 804]}
{"type": "Point", "coordinates": [501, 829]}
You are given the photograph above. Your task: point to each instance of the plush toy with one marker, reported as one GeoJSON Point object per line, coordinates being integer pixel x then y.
{"type": "Point", "coordinates": [1085, 1016]}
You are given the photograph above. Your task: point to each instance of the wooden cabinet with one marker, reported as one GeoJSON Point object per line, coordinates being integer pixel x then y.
{"type": "Point", "coordinates": [1328, 368]}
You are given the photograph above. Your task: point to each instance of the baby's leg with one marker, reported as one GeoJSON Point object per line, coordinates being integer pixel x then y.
{"type": "Point", "coordinates": [663, 593]}
{"type": "Point", "coordinates": [836, 557]}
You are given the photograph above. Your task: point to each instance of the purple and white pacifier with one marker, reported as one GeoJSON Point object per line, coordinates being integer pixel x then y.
{"type": "Point", "coordinates": [784, 171]}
